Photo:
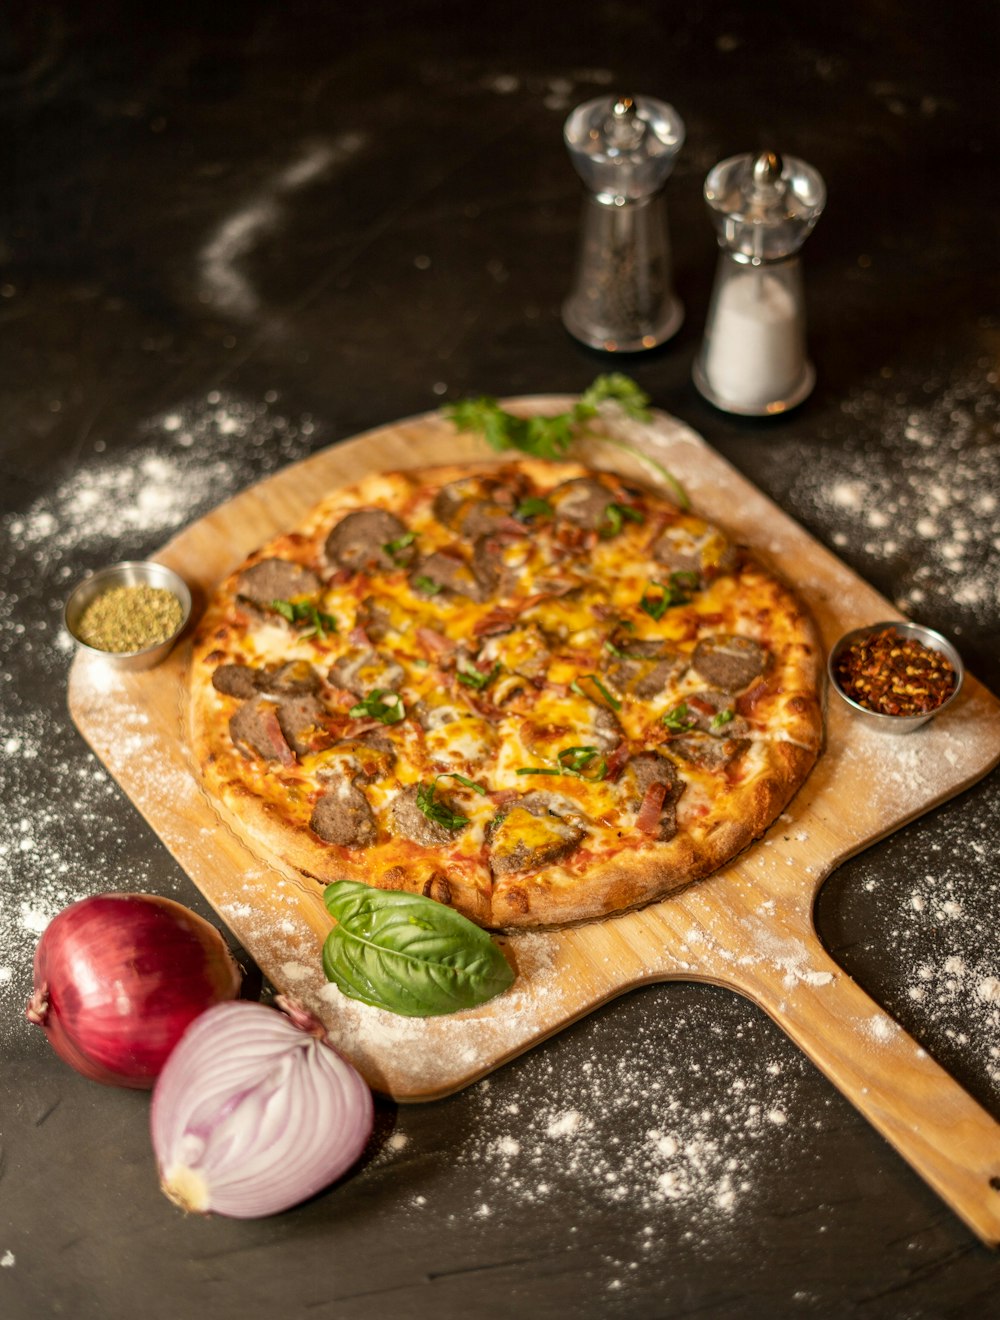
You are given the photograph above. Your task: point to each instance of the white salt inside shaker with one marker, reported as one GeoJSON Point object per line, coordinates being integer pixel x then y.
{"type": "Point", "coordinates": [753, 359]}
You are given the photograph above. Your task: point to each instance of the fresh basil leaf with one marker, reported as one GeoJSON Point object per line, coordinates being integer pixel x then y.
{"type": "Point", "coordinates": [408, 954]}
{"type": "Point", "coordinates": [380, 705]}
{"type": "Point", "coordinates": [473, 678]}
{"type": "Point", "coordinates": [723, 718]}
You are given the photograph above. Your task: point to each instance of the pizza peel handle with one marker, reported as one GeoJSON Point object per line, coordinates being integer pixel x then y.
{"type": "Point", "coordinates": [946, 1137]}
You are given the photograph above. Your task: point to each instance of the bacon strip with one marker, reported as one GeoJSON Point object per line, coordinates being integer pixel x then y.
{"type": "Point", "coordinates": [434, 643]}
{"type": "Point", "coordinates": [617, 759]}
{"type": "Point", "coordinates": [648, 817]}
{"type": "Point", "coordinates": [277, 739]}
{"type": "Point", "coordinates": [746, 703]}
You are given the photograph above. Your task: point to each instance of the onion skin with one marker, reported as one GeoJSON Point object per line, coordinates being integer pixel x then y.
{"type": "Point", "coordinates": [254, 1112]}
{"type": "Point", "coordinates": [120, 977]}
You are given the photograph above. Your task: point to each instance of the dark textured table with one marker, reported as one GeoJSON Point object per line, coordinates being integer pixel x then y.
{"type": "Point", "coordinates": [234, 234]}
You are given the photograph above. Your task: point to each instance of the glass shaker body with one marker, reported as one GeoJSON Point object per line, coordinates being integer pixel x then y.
{"type": "Point", "coordinates": [753, 358]}
{"type": "Point", "coordinates": [623, 148]}
{"type": "Point", "coordinates": [622, 299]}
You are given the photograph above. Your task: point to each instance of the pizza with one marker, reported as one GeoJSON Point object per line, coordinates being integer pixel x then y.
{"type": "Point", "coordinates": [537, 692]}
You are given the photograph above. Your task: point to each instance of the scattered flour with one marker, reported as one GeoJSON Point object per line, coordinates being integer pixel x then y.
{"type": "Point", "coordinates": [109, 507]}
{"type": "Point", "coordinates": [932, 479]}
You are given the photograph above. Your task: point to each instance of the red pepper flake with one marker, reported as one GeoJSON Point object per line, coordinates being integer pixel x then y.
{"type": "Point", "coordinates": [893, 674]}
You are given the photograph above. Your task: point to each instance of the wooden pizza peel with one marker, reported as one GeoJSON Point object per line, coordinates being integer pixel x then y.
{"type": "Point", "coordinates": [749, 927]}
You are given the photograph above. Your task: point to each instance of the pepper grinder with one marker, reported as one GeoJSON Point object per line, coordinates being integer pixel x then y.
{"type": "Point", "coordinates": [753, 359]}
{"type": "Point", "coordinates": [623, 148]}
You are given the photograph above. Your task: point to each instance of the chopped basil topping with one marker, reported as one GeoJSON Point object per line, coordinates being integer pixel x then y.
{"type": "Point", "coordinates": [616, 515]}
{"type": "Point", "coordinates": [427, 585]}
{"type": "Point", "coordinates": [723, 717]}
{"type": "Point", "coordinates": [392, 548]}
{"type": "Point", "coordinates": [386, 707]}
{"type": "Point", "coordinates": [579, 761]}
{"type": "Point", "coordinates": [680, 719]}
{"type": "Point", "coordinates": [576, 762]}
{"type": "Point", "coordinates": [475, 678]}
{"type": "Point", "coordinates": [535, 507]}
{"type": "Point", "coordinates": [439, 812]}
{"type": "Point", "coordinates": [613, 702]}
{"type": "Point", "coordinates": [306, 616]}
{"type": "Point", "coordinates": [676, 591]}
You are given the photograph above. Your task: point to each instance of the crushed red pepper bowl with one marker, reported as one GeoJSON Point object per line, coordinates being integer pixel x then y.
{"type": "Point", "coordinates": [130, 573]}
{"type": "Point", "coordinates": [916, 632]}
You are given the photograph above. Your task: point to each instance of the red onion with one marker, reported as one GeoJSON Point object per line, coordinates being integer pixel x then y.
{"type": "Point", "coordinates": [120, 977]}
{"type": "Point", "coordinates": [254, 1112]}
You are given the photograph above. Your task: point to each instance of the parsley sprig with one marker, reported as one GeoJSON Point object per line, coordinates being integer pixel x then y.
{"type": "Point", "coordinates": [306, 616]}
{"type": "Point", "coordinates": [439, 812]}
{"type": "Point", "coordinates": [551, 437]}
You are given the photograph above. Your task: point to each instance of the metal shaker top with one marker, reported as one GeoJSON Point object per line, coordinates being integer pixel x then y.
{"type": "Point", "coordinates": [764, 206]}
{"type": "Point", "coordinates": [623, 147]}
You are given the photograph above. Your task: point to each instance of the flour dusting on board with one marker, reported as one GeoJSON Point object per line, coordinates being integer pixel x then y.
{"type": "Point", "coordinates": [109, 507]}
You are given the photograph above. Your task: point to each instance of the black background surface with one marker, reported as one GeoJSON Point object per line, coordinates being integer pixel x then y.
{"type": "Point", "coordinates": [316, 218]}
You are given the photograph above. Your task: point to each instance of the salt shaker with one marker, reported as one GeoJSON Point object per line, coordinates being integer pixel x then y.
{"type": "Point", "coordinates": [753, 359]}
{"type": "Point", "coordinates": [623, 148]}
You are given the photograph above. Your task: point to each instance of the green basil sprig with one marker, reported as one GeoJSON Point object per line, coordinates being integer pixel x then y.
{"type": "Point", "coordinates": [408, 954]}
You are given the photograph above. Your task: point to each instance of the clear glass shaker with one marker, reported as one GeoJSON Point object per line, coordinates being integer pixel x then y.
{"type": "Point", "coordinates": [753, 358]}
{"type": "Point", "coordinates": [623, 148]}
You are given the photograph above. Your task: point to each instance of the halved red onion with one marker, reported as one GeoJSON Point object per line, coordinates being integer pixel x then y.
{"type": "Point", "coordinates": [254, 1112]}
{"type": "Point", "coordinates": [120, 977]}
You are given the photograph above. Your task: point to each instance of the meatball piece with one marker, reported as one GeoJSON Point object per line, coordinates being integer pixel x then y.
{"type": "Point", "coordinates": [276, 579]}
{"type": "Point", "coordinates": [360, 540]}
{"type": "Point", "coordinates": [729, 662]}
{"type": "Point", "coordinates": [343, 816]}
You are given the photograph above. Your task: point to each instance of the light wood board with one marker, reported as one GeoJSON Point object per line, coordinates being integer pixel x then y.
{"type": "Point", "coordinates": [749, 927]}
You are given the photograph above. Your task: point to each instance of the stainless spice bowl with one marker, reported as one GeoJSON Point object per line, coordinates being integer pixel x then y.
{"type": "Point", "coordinates": [928, 637]}
{"type": "Point", "coordinates": [133, 573]}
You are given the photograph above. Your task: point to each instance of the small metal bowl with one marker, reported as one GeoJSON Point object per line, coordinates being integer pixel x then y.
{"type": "Point", "coordinates": [896, 723]}
{"type": "Point", "coordinates": [134, 573]}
